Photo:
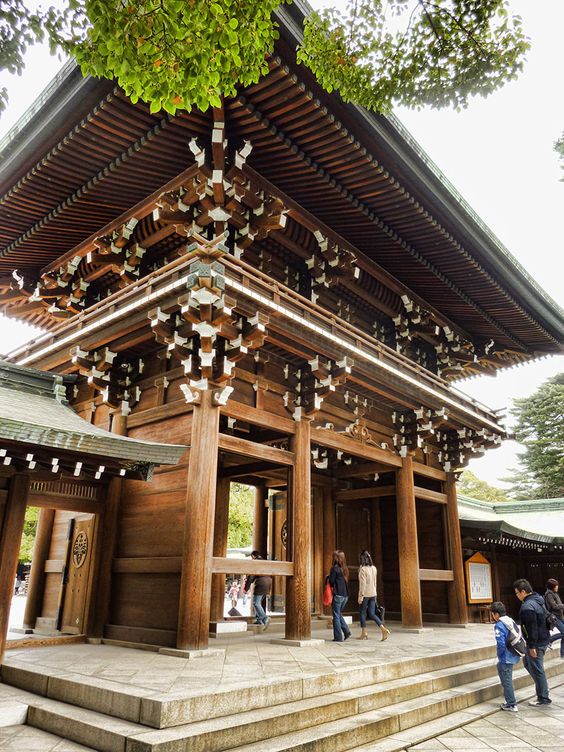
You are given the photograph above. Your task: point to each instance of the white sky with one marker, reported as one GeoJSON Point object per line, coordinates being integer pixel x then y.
{"type": "Point", "coordinates": [498, 153]}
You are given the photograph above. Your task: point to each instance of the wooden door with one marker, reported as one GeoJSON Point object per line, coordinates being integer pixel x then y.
{"type": "Point", "coordinates": [76, 579]}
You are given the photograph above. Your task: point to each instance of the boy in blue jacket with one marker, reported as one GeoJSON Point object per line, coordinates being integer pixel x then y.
{"type": "Point", "coordinates": [505, 658]}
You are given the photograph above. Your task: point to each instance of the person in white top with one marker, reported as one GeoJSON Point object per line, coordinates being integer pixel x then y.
{"type": "Point", "coordinates": [367, 596]}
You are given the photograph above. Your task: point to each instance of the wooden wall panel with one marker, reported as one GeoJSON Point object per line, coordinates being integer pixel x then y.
{"type": "Point", "coordinates": [145, 600]}
{"type": "Point", "coordinates": [152, 525]}
{"type": "Point", "coordinates": [431, 542]}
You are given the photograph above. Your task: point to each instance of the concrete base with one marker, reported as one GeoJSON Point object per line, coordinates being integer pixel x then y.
{"type": "Point", "coordinates": [416, 630]}
{"type": "Point", "coordinates": [218, 628]}
{"type": "Point", "coordinates": [348, 620]}
{"type": "Point", "coordinates": [296, 643]}
{"type": "Point", "coordinates": [21, 630]}
{"type": "Point", "coordinates": [190, 654]}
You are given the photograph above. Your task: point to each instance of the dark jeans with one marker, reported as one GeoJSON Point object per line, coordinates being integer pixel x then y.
{"type": "Point", "coordinates": [560, 628]}
{"type": "Point", "coordinates": [368, 607]}
{"type": "Point", "coordinates": [340, 628]}
{"type": "Point", "coordinates": [535, 667]}
{"type": "Point", "coordinates": [260, 613]}
{"type": "Point", "coordinates": [505, 671]}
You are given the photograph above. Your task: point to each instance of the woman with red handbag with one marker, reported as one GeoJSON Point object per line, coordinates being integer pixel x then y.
{"type": "Point", "coordinates": [338, 580]}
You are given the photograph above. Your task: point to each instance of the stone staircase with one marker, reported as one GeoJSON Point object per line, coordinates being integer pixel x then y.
{"type": "Point", "coordinates": [378, 708]}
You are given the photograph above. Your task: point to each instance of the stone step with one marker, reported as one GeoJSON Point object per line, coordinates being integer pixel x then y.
{"type": "Point", "coordinates": [424, 732]}
{"type": "Point", "coordinates": [27, 738]}
{"type": "Point", "coordinates": [255, 725]}
{"type": "Point", "coordinates": [377, 730]}
{"type": "Point", "coordinates": [327, 721]}
{"type": "Point", "coordinates": [163, 710]}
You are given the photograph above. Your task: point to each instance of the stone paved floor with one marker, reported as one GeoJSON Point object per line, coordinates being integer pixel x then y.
{"type": "Point", "coordinates": [28, 739]}
{"type": "Point", "coordinates": [248, 659]}
{"type": "Point", "coordinates": [540, 729]}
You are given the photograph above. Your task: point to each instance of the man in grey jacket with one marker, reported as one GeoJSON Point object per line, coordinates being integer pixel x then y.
{"type": "Point", "coordinates": [533, 622]}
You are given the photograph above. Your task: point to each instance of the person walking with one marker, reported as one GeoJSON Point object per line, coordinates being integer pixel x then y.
{"type": "Point", "coordinates": [262, 585]}
{"type": "Point", "coordinates": [367, 593]}
{"type": "Point", "coordinates": [532, 615]}
{"type": "Point", "coordinates": [338, 579]}
{"type": "Point", "coordinates": [234, 593]}
{"type": "Point", "coordinates": [505, 658]}
{"type": "Point", "coordinates": [555, 606]}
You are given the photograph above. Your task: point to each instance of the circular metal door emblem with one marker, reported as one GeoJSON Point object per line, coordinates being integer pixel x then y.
{"type": "Point", "coordinates": [284, 533]}
{"type": "Point", "coordinates": [80, 549]}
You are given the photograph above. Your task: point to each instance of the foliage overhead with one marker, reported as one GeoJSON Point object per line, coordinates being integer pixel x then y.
{"type": "Point", "coordinates": [176, 54]}
{"type": "Point", "coordinates": [540, 428]}
{"type": "Point", "coordinates": [470, 485]}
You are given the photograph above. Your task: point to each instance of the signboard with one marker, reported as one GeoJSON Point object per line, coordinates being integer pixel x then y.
{"type": "Point", "coordinates": [479, 579]}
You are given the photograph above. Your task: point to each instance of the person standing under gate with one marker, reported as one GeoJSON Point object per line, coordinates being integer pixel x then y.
{"type": "Point", "coordinates": [505, 658]}
{"type": "Point", "coordinates": [532, 615]}
{"type": "Point", "coordinates": [338, 579]}
{"type": "Point", "coordinates": [555, 606]}
{"type": "Point", "coordinates": [262, 586]}
{"type": "Point", "coordinates": [367, 575]}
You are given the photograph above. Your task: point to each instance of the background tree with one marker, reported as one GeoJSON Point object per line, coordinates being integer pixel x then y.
{"type": "Point", "coordinates": [559, 148]}
{"type": "Point", "coordinates": [540, 428]}
{"type": "Point", "coordinates": [470, 485]}
{"type": "Point", "coordinates": [175, 54]}
{"type": "Point", "coordinates": [241, 516]}
{"type": "Point", "coordinates": [28, 536]}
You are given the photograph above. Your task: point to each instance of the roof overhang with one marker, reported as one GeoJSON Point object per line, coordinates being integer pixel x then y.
{"type": "Point", "coordinates": [40, 432]}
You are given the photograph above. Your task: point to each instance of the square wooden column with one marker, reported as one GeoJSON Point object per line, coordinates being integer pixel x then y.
{"type": "Point", "coordinates": [37, 575]}
{"type": "Point", "coordinates": [10, 540]}
{"type": "Point", "coordinates": [196, 578]}
{"type": "Point", "coordinates": [298, 596]}
{"type": "Point", "coordinates": [410, 588]}
{"type": "Point", "coordinates": [457, 608]}
{"type": "Point", "coordinates": [260, 525]}
{"type": "Point", "coordinates": [220, 531]}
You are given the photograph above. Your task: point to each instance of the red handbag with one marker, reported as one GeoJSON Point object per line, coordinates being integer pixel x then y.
{"type": "Point", "coordinates": [327, 593]}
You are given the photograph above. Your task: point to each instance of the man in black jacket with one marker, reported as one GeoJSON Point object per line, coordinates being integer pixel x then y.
{"type": "Point", "coordinates": [533, 622]}
{"type": "Point", "coordinates": [263, 585]}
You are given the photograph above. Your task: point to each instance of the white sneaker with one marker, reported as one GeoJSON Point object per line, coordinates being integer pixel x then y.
{"type": "Point", "coordinates": [510, 708]}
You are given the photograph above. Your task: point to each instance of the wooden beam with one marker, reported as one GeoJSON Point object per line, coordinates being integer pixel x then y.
{"type": "Point", "coordinates": [373, 492]}
{"type": "Point", "coordinates": [426, 495]}
{"type": "Point", "coordinates": [196, 577]}
{"type": "Point", "coordinates": [361, 469]}
{"type": "Point", "coordinates": [253, 449]}
{"type": "Point", "coordinates": [220, 531]}
{"type": "Point", "coordinates": [257, 417]}
{"type": "Point", "coordinates": [410, 590]}
{"type": "Point", "coordinates": [343, 442]}
{"type": "Point", "coordinates": [252, 566]}
{"type": "Point", "coordinates": [10, 541]}
{"type": "Point", "coordinates": [298, 595]}
{"type": "Point", "coordinates": [428, 472]}
{"type": "Point", "coordinates": [251, 468]}
{"type": "Point", "coordinates": [458, 610]}
{"type": "Point", "coordinates": [148, 564]}
{"type": "Point", "coordinates": [83, 506]}
{"type": "Point", "coordinates": [436, 575]}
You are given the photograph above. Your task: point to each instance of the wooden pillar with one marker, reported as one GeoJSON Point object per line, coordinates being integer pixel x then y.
{"type": "Point", "coordinates": [298, 612]}
{"type": "Point", "coordinates": [410, 588]}
{"type": "Point", "coordinates": [329, 533]}
{"type": "Point", "coordinates": [195, 582]}
{"type": "Point", "coordinates": [318, 552]}
{"type": "Point", "coordinates": [40, 555]}
{"type": "Point", "coordinates": [10, 541]}
{"type": "Point", "coordinates": [220, 530]}
{"type": "Point", "coordinates": [260, 526]}
{"type": "Point", "coordinates": [377, 552]}
{"type": "Point", "coordinates": [458, 612]}
{"type": "Point", "coordinates": [106, 545]}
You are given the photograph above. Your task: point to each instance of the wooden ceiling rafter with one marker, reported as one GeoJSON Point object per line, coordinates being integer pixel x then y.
{"type": "Point", "coordinates": [322, 173]}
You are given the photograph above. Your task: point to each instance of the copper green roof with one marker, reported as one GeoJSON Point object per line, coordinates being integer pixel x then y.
{"type": "Point", "coordinates": [35, 419]}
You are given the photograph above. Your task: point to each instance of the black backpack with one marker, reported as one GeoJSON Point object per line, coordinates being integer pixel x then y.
{"type": "Point", "coordinates": [550, 619]}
